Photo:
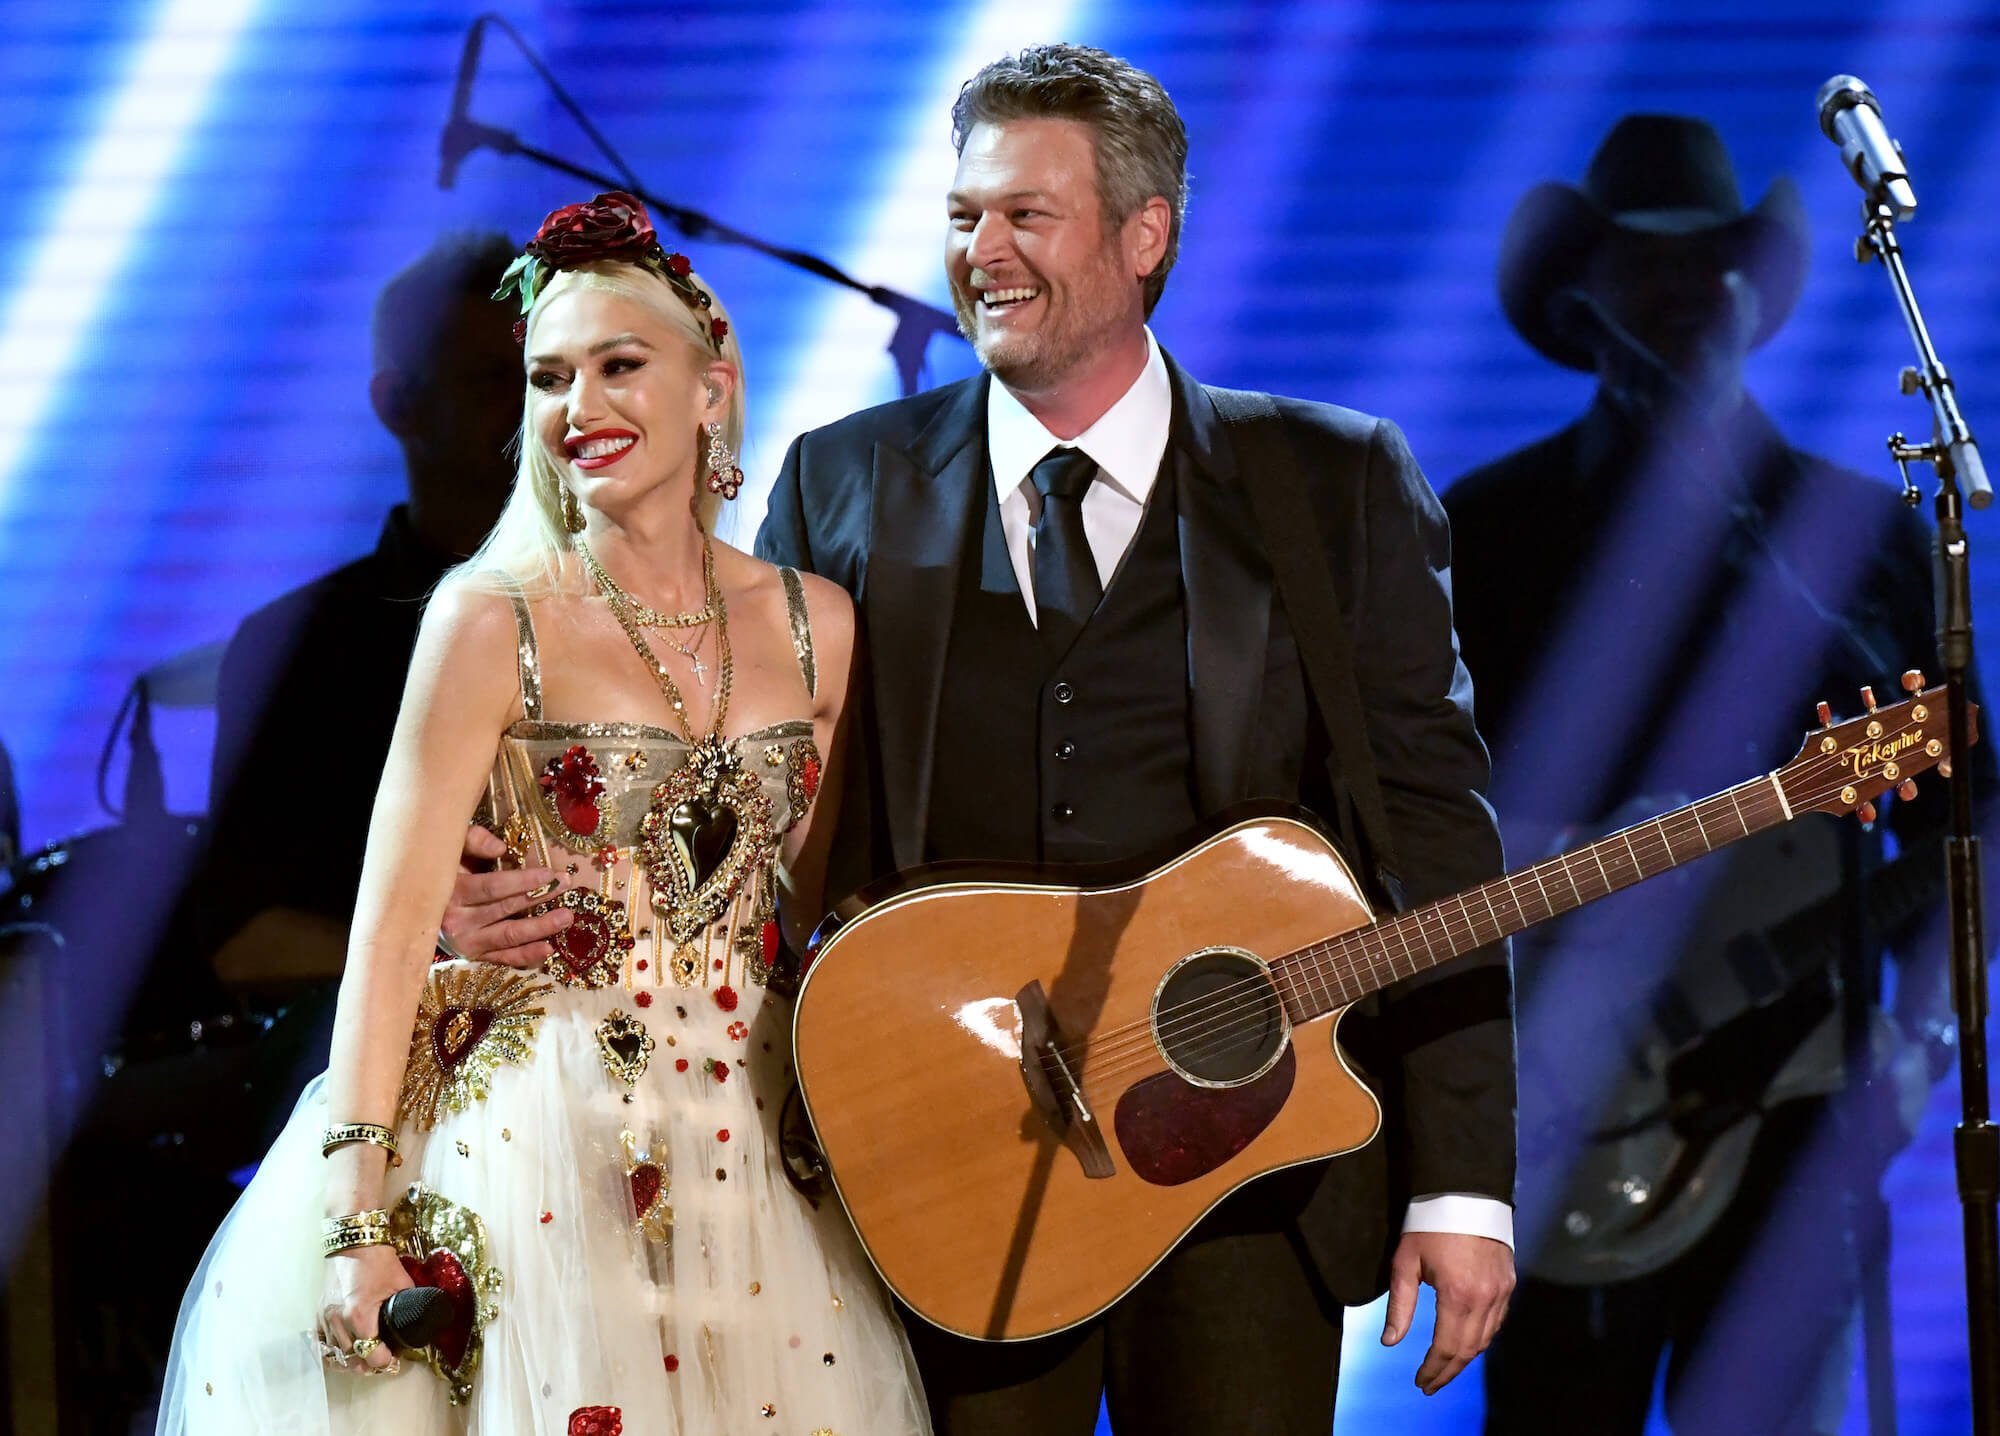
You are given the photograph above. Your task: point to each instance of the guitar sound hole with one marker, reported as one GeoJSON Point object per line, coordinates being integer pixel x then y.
{"type": "Point", "coordinates": [1218, 1020]}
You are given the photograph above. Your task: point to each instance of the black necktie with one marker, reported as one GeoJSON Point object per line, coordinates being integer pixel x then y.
{"type": "Point", "coordinates": [1066, 586]}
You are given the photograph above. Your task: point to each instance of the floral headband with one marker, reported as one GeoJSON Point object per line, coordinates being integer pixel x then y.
{"type": "Point", "coordinates": [612, 226]}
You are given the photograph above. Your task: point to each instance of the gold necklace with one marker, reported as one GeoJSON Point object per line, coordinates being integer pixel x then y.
{"type": "Point", "coordinates": [691, 652]}
{"type": "Point", "coordinates": [622, 610]}
{"type": "Point", "coordinates": [651, 617]}
{"type": "Point", "coordinates": [709, 801]}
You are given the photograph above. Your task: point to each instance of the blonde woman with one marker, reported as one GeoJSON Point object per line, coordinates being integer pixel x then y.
{"type": "Point", "coordinates": [584, 1158]}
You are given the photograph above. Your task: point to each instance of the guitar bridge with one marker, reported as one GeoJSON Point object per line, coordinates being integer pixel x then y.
{"type": "Point", "coordinates": [1053, 1087]}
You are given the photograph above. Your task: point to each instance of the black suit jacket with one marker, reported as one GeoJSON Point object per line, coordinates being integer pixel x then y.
{"type": "Point", "coordinates": [883, 503]}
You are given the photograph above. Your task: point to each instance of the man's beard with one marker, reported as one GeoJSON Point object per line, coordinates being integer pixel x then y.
{"type": "Point", "coordinates": [1059, 348]}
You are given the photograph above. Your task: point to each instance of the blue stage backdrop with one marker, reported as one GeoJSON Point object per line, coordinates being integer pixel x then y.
{"type": "Point", "coordinates": [203, 197]}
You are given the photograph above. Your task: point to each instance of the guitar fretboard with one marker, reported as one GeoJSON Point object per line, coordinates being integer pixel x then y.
{"type": "Point", "coordinates": [1317, 979]}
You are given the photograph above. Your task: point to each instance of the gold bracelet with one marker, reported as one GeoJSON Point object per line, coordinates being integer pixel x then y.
{"type": "Point", "coordinates": [373, 1133]}
{"type": "Point", "coordinates": [362, 1229]}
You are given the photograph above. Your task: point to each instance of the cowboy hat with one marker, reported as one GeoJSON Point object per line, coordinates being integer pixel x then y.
{"type": "Point", "coordinates": [1652, 175]}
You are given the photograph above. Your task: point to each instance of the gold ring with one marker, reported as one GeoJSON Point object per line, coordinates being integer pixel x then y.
{"type": "Point", "coordinates": [362, 1346]}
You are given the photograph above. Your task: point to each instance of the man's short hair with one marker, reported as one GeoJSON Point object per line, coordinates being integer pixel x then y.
{"type": "Point", "coordinates": [414, 307]}
{"type": "Point", "coordinates": [1141, 142]}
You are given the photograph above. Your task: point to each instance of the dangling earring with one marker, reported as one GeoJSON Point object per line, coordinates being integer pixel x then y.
{"type": "Point", "coordinates": [723, 476]}
{"type": "Point", "coordinates": [572, 511]}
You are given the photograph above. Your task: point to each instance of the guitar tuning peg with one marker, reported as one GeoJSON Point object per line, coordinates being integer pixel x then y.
{"type": "Point", "coordinates": [1907, 789]}
{"type": "Point", "coordinates": [1868, 698]}
{"type": "Point", "coordinates": [1913, 680]}
{"type": "Point", "coordinates": [1866, 812]}
{"type": "Point", "coordinates": [1825, 711]}
{"type": "Point", "coordinates": [1944, 768]}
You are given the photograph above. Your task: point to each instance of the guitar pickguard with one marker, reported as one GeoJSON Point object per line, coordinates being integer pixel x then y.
{"type": "Point", "coordinates": [1172, 1131]}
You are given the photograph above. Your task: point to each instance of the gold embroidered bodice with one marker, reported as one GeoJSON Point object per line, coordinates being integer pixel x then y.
{"type": "Point", "coordinates": [666, 852]}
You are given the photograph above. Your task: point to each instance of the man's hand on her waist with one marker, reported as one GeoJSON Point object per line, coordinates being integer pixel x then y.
{"type": "Point", "coordinates": [490, 916]}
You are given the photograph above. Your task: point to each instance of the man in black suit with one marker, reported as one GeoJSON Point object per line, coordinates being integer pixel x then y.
{"type": "Point", "coordinates": [1076, 654]}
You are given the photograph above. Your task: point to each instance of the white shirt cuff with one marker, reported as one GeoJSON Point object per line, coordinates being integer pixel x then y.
{"type": "Point", "coordinates": [1463, 1214]}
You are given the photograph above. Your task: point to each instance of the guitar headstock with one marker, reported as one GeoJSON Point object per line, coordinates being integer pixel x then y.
{"type": "Point", "coordinates": [1844, 767]}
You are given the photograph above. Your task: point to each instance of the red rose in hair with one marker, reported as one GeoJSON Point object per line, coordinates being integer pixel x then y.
{"type": "Point", "coordinates": [612, 226]}
{"type": "Point", "coordinates": [596, 1421]}
{"type": "Point", "coordinates": [680, 264]}
{"type": "Point", "coordinates": [719, 328]}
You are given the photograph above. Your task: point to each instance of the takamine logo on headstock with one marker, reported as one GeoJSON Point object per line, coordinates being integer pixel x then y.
{"type": "Point", "coordinates": [1864, 758]}
{"type": "Point", "coordinates": [1847, 765]}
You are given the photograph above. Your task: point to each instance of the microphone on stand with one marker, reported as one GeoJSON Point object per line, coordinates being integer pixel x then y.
{"type": "Point", "coordinates": [461, 137]}
{"type": "Point", "coordinates": [1852, 119]}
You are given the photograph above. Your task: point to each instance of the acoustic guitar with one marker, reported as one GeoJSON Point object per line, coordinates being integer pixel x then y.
{"type": "Point", "coordinates": [1028, 1093]}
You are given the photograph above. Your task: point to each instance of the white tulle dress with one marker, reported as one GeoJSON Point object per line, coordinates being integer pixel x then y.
{"type": "Point", "coordinates": [590, 1156]}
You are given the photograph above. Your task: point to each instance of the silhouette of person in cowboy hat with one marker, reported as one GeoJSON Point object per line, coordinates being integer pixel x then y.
{"type": "Point", "coordinates": [1646, 602]}
{"type": "Point", "coordinates": [1652, 272]}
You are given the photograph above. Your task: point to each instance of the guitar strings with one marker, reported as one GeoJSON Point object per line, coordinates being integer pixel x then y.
{"type": "Point", "coordinates": [1122, 1054]}
{"type": "Point", "coordinates": [1217, 1018]}
{"type": "Point", "coordinates": [1175, 1020]}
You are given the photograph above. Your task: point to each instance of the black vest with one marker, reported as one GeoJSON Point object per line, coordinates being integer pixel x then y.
{"type": "Point", "coordinates": [1088, 759]}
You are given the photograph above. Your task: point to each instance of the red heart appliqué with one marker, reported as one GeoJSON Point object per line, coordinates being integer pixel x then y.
{"type": "Point", "coordinates": [442, 1270]}
{"type": "Point", "coordinates": [647, 1180]}
{"type": "Point", "coordinates": [457, 1032]}
{"type": "Point", "coordinates": [597, 1421]}
{"type": "Point", "coordinates": [583, 942]}
{"type": "Point", "coordinates": [573, 782]}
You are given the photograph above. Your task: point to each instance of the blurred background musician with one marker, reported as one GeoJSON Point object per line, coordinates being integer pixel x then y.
{"type": "Point", "coordinates": [1699, 1177]}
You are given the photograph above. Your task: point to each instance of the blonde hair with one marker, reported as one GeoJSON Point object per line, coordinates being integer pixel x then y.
{"type": "Point", "coordinates": [525, 550]}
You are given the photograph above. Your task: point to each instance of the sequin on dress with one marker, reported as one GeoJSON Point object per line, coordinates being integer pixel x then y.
{"type": "Point", "coordinates": [590, 1154]}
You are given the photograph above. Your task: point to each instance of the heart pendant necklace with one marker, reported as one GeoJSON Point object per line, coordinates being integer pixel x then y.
{"type": "Point", "coordinates": [710, 821]}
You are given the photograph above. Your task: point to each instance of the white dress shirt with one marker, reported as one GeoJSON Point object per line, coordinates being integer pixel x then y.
{"type": "Point", "coordinates": [1128, 443]}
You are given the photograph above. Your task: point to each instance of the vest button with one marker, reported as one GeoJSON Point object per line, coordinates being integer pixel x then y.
{"type": "Point", "coordinates": [1062, 812]}
{"type": "Point", "coordinates": [1065, 750]}
{"type": "Point", "coordinates": [1064, 692]}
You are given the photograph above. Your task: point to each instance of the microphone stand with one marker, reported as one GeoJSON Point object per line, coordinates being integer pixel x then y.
{"type": "Point", "coordinates": [1954, 458]}
{"type": "Point", "coordinates": [916, 321]}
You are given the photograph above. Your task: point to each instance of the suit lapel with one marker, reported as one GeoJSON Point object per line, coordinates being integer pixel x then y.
{"type": "Point", "coordinates": [925, 505]}
{"type": "Point", "coordinates": [1228, 594]}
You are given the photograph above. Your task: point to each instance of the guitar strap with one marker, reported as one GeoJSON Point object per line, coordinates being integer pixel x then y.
{"type": "Point", "coordinates": [1269, 467]}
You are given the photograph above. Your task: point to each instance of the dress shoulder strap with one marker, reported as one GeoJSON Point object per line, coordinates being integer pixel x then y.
{"type": "Point", "coordinates": [528, 657]}
{"type": "Point", "coordinates": [802, 635]}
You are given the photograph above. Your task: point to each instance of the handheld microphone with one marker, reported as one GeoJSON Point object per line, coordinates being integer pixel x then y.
{"type": "Point", "coordinates": [459, 138]}
{"type": "Point", "coordinates": [415, 1316]}
{"type": "Point", "coordinates": [1852, 119]}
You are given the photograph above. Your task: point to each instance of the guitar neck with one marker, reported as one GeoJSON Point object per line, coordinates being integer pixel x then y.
{"type": "Point", "coordinates": [1333, 973]}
